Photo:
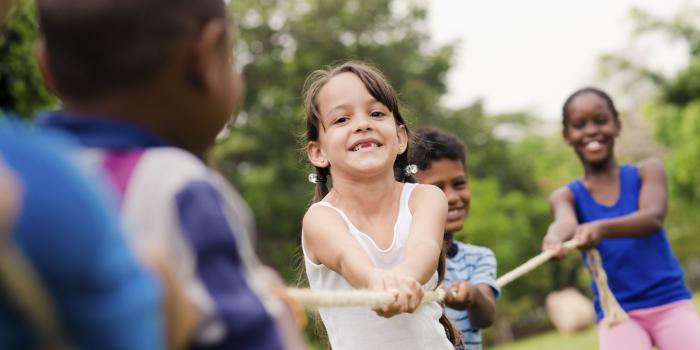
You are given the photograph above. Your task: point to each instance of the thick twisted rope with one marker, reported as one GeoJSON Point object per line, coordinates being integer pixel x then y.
{"type": "Point", "coordinates": [341, 298]}
{"type": "Point", "coordinates": [531, 264]}
{"type": "Point", "coordinates": [614, 314]}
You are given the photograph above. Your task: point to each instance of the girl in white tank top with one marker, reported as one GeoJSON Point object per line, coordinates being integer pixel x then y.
{"type": "Point", "coordinates": [370, 231]}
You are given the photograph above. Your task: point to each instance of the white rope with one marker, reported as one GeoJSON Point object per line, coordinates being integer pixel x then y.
{"type": "Point", "coordinates": [614, 314]}
{"type": "Point", "coordinates": [531, 264]}
{"type": "Point", "coordinates": [344, 298]}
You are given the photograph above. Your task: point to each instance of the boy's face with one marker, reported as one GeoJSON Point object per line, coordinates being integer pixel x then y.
{"type": "Point", "coordinates": [226, 89]}
{"type": "Point", "coordinates": [212, 100]}
{"type": "Point", "coordinates": [449, 176]}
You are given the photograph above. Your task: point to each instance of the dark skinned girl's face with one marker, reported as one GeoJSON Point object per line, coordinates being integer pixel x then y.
{"type": "Point", "coordinates": [591, 129]}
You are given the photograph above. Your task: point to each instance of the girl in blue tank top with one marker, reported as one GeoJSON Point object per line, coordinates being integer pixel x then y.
{"type": "Point", "coordinates": [619, 210]}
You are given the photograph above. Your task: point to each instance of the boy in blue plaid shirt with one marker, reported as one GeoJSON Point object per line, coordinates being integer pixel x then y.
{"type": "Point", "coordinates": [470, 271]}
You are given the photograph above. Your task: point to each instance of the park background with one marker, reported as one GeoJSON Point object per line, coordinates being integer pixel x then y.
{"type": "Point", "coordinates": [516, 156]}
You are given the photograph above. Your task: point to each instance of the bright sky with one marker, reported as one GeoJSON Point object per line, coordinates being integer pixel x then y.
{"type": "Point", "coordinates": [531, 54]}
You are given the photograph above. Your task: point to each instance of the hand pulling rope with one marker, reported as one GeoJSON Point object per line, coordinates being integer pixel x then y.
{"type": "Point", "coordinates": [339, 298]}
{"type": "Point", "coordinates": [614, 314]}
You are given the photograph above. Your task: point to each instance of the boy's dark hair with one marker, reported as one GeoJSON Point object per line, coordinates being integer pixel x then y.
{"type": "Point", "coordinates": [600, 93]}
{"type": "Point", "coordinates": [431, 145]}
{"type": "Point", "coordinates": [377, 85]}
{"type": "Point", "coordinates": [102, 46]}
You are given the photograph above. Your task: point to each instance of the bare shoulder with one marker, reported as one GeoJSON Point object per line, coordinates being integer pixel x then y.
{"type": "Point", "coordinates": [561, 195]}
{"type": "Point", "coordinates": [321, 222]}
{"type": "Point", "coordinates": [427, 192]}
{"type": "Point", "coordinates": [427, 195]}
{"type": "Point", "coordinates": [318, 219]}
{"type": "Point", "coordinates": [651, 167]}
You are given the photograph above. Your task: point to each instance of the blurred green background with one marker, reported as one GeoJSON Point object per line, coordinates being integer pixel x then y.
{"type": "Point", "coordinates": [281, 42]}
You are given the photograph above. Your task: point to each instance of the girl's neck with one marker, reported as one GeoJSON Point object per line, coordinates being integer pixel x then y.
{"type": "Point", "coordinates": [365, 195]}
{"type": "Point", "coordinates": [605, 169]}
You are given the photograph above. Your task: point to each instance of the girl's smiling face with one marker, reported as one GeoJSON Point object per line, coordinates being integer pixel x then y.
{"type": "Point", "coordinates": [591, 128]}
{"type": "Point", "coordinates": [358, 133]}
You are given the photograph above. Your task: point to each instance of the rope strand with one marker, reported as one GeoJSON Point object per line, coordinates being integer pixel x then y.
{"type": "Point", "coordinates": [614, 314]}
{"type": "Point", "coordinates": [531, 264]}
{"type": "Point", "coordinates": [345, 298]}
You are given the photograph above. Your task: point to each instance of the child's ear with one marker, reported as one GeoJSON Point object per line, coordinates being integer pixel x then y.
{"type": "Point", "coordinates": [565, 136]}
{"type": "Point", "coordinates": [402, 135]}
{"type": "Point", "coordinates": [207, 53]}
{"type": "Point", "coordinates": [41, 54]}
{"type": "Point", "coordinates": [315, 154]}
{"type": "Point", "coordinates": [618, 123]}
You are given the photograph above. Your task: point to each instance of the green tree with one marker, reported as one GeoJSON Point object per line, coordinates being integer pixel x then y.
{"type": "Point", "coordinates": [21, 88]}
{"type": "Point", "coordinates": [280, 43]}
{"type": "Point", "coordinates": [675, 114]}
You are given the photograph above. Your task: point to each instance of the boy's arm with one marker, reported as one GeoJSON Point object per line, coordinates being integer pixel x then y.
{"type": "Point", "coordinates": [478, 300]}
{"type": "Point", "coordinates": [428, 206]}
{"type": "Point", "coordinates": [215, 236]}
{"type": "Point", "coordinates": [563, 228]}
{"type": "Point", "coordinates": [478, 294]}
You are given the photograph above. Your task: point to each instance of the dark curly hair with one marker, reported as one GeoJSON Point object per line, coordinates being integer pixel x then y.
{"type": "Point", "coordinates": [431, 145]}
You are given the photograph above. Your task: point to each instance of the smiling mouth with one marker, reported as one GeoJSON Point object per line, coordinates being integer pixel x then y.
{"type": "Point", "coordinates": [365, 145]}
{"type": "Point", "coordinates": [454, 214]}
{"type": "Point", "coordinates": [593, 146]}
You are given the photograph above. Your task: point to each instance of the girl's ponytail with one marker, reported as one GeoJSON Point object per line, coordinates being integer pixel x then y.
{"type": "Point", "coordinates": [320, 178]}
{"type": "Point", "coordinates": [454, 335]}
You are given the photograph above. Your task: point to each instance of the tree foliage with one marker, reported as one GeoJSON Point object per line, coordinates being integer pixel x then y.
{"type": "Point", "coordinates": [674, 113]}
{"type": "Point", "coordinates": [280, 43]}
{"type": "Point", "coordinates": [21, 87]}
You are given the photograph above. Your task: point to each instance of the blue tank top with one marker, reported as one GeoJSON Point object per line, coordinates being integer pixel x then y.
{"type": "Point", "coordinates": [642, 271]}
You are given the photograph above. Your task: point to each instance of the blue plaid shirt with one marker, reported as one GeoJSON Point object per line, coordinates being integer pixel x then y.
{"type": "Point", "coordinates": [475, 265]}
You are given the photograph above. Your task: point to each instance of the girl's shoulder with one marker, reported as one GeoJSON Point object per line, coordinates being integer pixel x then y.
{"type": "Point", "coordinates": [562, 195]}
{"type": "Point", "coordinates": [426, 191]}
{"type": "Point", "coordinates": [650, 165]}
{"type": "Point", "coordinates": [321, 216]}
{"type": "Point", "coordinates": [651, 171]}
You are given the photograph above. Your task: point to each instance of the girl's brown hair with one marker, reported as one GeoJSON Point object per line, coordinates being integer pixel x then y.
{"type": "Point", "coordinates": [378, 86]}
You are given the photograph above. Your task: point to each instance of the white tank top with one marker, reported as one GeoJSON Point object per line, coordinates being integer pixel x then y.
{"type": "Point", "coordinates": [360, 327]}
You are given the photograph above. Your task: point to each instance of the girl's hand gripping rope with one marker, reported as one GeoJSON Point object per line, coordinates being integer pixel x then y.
{"type": "Point", "coordinates": [407, 292]}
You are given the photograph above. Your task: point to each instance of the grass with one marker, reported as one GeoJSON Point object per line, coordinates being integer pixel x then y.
{"type": "Point", "coordinates": [552, 340]}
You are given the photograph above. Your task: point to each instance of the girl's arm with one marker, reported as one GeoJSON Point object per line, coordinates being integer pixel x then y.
{"type": "Point", "coordinates": [563, 228]}
{"type": "Point", "coordinates": [327, 241]}
{"type": "Point", "coordinates": [428, 206]}
{"type": "Point", "coordinates": [648, 219]}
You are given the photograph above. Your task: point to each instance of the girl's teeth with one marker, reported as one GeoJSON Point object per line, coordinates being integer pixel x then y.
{"type": "Point", "coordinates": [593, 146]}
{"type": "Point", "coordinates": [360, 146]}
